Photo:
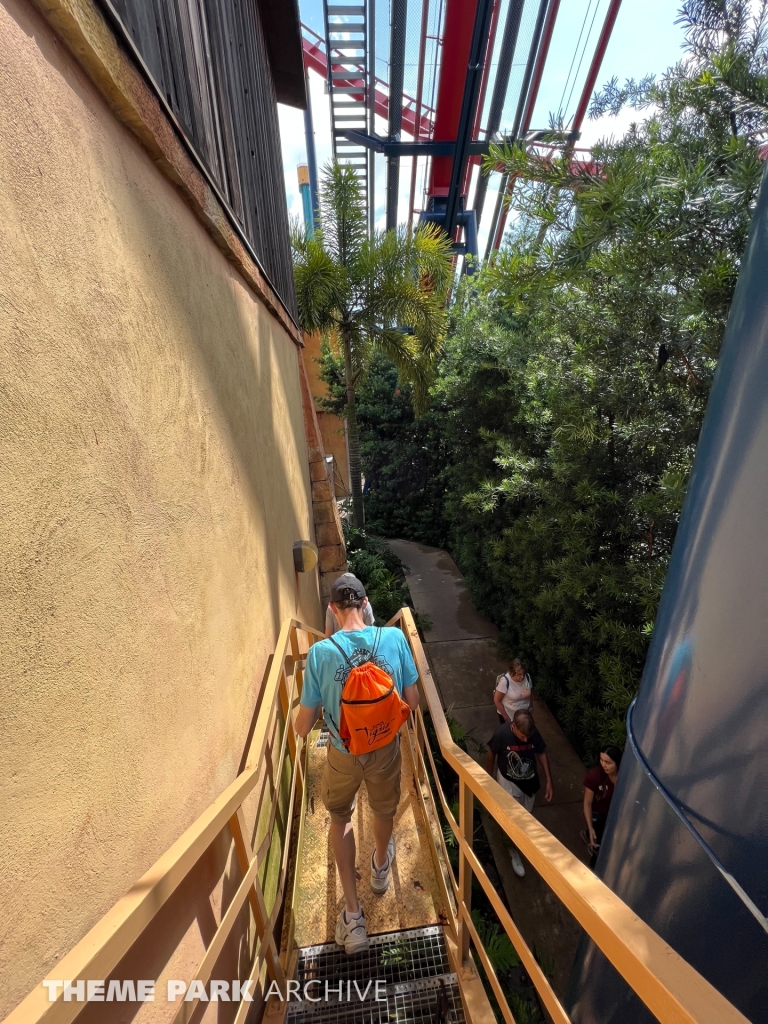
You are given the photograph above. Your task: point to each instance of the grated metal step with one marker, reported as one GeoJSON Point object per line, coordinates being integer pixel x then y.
{"type": "Point", "coordinates": [395, 957]}
{"type": "Point", "coordinates": [414, 975]}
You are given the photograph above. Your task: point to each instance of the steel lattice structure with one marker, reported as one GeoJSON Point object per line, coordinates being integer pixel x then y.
{"type": "Point", "coordinates": [460, 74]}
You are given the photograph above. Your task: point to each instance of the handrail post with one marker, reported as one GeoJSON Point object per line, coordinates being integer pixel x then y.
{"type": "Point", "coordinates": [466, 825]}
{"type": "Point", "coordinates": [418, 731]}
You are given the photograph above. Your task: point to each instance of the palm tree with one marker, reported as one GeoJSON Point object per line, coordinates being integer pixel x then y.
{"type": "Point", "coordinates": [381, 294]}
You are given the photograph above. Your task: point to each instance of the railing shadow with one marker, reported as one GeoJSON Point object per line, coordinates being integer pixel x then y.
{"type": "Point", "coordinates": [218, 899]}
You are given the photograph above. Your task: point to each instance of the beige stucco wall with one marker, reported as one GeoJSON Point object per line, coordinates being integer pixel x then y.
{"type": "Point", "coordinates": [332, 427]}
{"type": "Point", "coordinates": [154, 478]}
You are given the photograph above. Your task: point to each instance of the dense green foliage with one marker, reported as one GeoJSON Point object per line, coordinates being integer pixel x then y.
{"type": "Point", "coordinates": [570, 394]}
{"type": "Point", "coordinates": [379, 570]}
{"type": "Point", "coordinates": [402, 455]}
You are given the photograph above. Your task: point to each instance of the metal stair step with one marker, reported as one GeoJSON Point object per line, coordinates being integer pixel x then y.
{"type": "Point", "coordinates": [413, 971]}
{"type": "Point", "coordinates": [430, 1001]}
{"type": "Point", "coordinates": [394, 956]}
{"type": "Point", "coordinates": [346, 46]}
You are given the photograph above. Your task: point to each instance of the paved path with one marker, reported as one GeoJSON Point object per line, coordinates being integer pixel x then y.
{"type": "Point", "coordinates": [465, 659]}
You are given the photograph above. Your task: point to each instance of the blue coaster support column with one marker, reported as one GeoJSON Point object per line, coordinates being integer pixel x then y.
{"type": "Point", "coordinates": [686, 845]}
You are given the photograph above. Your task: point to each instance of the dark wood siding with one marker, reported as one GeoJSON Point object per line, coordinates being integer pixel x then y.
{"type": "Point", "coordinates": [208, 61]}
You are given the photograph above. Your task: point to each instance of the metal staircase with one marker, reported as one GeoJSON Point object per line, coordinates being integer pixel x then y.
{"type": "Point", "coordinates": [346, 41]}
{"type": "Point", "coordinates": [416, 983]}
{"type": "Point", "coordinates": [265, 834]}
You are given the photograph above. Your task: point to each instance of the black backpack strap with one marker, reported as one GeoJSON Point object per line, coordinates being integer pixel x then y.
{"type": "Point", "coordinates": [341, 651]}
{"type": "Point", "coordinates": [371, 653]}
{"type": "Point", "coordinates": [376, 642]}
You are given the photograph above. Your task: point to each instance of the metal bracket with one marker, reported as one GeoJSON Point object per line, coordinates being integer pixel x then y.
{"type": "Point", "coordinates": [551, 136]}
{"type": "Point", "coordinates": [393, 147]}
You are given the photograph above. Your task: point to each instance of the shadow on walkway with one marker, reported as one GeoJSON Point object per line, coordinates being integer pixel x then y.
{"type": "Point", "coordinates": [465, 657]}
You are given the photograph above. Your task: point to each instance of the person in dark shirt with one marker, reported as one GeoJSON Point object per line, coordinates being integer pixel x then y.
{"type": "Point", "coordinates": [598, 793]}
{"type": "Point", "coordinates": [514, 752]}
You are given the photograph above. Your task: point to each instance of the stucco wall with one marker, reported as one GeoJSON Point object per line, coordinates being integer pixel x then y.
{"type": "Point", "coordinates": [332, 427]}
{"type": "Point", "coordinates": [154, 479]}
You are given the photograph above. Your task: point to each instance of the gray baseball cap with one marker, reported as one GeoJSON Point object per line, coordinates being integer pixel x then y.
{"type": "Point", "coordinates": [347, 588]}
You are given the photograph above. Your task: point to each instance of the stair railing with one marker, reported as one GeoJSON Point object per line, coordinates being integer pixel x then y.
{"type": "Point", "coordinates": [262, 843]}
{"type": "Point", "coordinates": [671, 989]}
{"type": "Point", "coordinates": [669, 986]}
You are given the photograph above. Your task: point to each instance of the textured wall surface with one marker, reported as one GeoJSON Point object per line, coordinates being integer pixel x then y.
{"type": "Point", "coordinates": [154, 478]}
{"type": "Point", "coordinates": [332, 427]}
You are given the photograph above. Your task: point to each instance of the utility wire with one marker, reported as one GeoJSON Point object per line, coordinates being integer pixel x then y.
{"type": "Point", "coordinates": [583, 52]}
{"type": "Point", "coordinates": [573, 59]}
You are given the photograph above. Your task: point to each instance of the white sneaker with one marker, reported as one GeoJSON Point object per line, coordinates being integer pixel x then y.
{"type": "Point", "coordinates": [380, 876]}
{"type": "Point", "coordinates": [517, 864]}
{"type": "Point", "coordinates": [351, 934]}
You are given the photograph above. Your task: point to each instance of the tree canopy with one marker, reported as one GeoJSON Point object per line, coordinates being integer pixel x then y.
{"type": "Point", "coordinates": [554, 455]}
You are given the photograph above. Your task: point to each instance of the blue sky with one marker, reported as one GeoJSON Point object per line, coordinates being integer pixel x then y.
{"type": "Point", "coordinates": [645, 39]}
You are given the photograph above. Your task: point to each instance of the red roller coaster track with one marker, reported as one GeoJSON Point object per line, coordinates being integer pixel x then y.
{"type": "Point", "coordinates": [316, 59]}
{"type": "Point", "coordinates": [443, 123]}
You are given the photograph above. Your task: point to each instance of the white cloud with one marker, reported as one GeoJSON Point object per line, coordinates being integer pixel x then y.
{"type": "Point", "coordinates": [612, 126]}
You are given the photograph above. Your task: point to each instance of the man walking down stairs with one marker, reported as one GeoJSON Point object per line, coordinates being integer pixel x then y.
{"type": "Point", "coordinates": [329, 665]}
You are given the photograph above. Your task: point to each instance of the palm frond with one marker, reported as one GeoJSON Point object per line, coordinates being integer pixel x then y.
{"type": "Point", "coordinates": [320, 283]}
{"type": "Point", "coordinates": [342, 214]}
{"type": "Point", "coordinates": [414, 366]}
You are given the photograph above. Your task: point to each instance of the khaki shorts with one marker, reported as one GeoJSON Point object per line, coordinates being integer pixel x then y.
{"type": "Point", "coordinates": [344, 773]}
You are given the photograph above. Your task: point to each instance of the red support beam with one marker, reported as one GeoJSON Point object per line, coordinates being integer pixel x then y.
{"type": "Point", "coordinates": [457, 39]}
{"type": "Point", "coordinates": [597, 60]}
{"type": "Point", "coordinates": [315, 60]}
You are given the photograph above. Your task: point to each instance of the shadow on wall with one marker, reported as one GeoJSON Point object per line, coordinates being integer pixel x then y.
{"type": "Point", "coordinates": [174, 944]}
{"type": "Point", "coordinates": [160, 478]}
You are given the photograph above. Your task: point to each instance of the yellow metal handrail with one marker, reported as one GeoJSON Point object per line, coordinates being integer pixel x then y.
{"type": "Point", "coordinates": [671, 989]}
{"type": "Point", "coordinates": [669, 986]}
{"type": "Point", "coordinates": [276, 763]}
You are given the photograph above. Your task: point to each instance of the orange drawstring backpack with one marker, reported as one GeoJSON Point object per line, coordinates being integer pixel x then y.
{"type": "Point", "coordinates": [372, 711]}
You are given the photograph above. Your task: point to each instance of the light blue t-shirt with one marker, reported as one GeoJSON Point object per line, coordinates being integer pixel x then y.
{"type": "Point", "coordinates": [327, 671]}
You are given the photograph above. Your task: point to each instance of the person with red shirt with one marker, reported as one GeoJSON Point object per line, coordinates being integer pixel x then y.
{"type": "Point", "coordinates": [598, 793]}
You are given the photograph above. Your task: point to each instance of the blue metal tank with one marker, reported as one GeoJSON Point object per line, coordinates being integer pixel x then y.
{"type": "Point", "coordinates": [686, 845]}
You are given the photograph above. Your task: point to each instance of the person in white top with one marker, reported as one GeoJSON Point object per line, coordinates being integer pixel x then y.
{"type": "Point", "coordinates": [513, 691]}
{"type": "Point", "coordinates": [332, 623]}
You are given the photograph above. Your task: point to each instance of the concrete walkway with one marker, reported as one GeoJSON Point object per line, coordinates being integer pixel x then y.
{"type": "Point", "coordinates": [465, 659]}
